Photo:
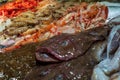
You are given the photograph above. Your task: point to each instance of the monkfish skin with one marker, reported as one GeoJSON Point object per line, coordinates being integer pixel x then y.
{"type": "Point", "coordinates": [68, 46]}
{"type": "Point", "coordinates": [78, 69]}
{"type": "Point", "coordinates": [79, 66]}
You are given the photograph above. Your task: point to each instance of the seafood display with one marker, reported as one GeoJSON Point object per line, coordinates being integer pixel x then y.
{"type": "Point", "coordinates": [59, 40]}
{"type": "Point", "coordinates": [78, 18]}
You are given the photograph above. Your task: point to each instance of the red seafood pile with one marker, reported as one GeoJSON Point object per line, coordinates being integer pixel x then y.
{"type": "Point", "coordinates": [15, 8]}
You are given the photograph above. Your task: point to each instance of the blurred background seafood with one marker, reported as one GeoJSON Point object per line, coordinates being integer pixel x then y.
{"type": "Point", "coordinates": [49, 18]}
{"type": "Point", "coordinates": [52, 19]}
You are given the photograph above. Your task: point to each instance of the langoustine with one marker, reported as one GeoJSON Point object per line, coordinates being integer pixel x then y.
{"type": "Point", "coordinates": [79, 18]}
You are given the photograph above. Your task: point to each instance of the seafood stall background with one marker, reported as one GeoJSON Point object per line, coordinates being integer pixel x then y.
{"type": "Point", "coordinates": [26, 62]}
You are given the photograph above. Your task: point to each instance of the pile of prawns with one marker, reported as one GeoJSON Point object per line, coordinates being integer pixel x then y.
{"type": "Point", "coordinates": [78, 18]}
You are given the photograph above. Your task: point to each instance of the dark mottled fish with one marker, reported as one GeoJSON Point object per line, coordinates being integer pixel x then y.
{"type": "Point", "coordinates": [66, 46]}
{"type": "Point", "coordinates": [79, 68]}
